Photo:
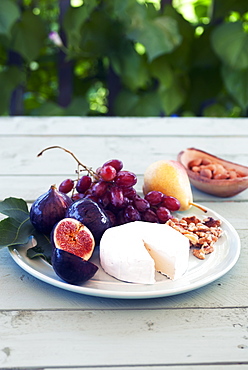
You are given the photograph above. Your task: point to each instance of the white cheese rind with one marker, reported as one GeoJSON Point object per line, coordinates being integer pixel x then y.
{"type": "Point", "coordinates": [123, 256]}
{"type": "Point", "coordinates": [134, 251]}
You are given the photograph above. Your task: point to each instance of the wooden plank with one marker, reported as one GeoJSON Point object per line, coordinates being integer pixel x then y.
{"type": "Point", "coordinates": [211, 366]}
{"type": "Point", "coordinates": [19, 155]}
{"type": "Point", "coordinates": [228, 291]}
{"type": "Point", "coordinates": [123, 337]}
{"type": "Point", "coordinates": [127, 126]}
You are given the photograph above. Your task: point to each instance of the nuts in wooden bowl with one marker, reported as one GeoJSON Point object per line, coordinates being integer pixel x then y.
{"type": "Point", "coordinates": [212, 174]}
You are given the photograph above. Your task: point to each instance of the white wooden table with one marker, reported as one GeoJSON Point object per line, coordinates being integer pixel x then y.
{"type": "Point", "coordinates": [45, 327]}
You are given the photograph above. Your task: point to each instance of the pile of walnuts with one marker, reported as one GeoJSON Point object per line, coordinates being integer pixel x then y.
{"type": "Point", "coordinates": [201, 234]}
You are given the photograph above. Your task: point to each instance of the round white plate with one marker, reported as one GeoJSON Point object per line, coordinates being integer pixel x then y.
{"type": "Point", "coordinates": [199, 273]}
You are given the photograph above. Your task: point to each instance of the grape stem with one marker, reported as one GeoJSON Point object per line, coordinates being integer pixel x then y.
{"type": "Point", "coordinates": [88, 169]}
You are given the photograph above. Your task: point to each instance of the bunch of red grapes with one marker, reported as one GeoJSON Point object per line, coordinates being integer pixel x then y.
{"type": "Point", "coordinates": [112, 188]}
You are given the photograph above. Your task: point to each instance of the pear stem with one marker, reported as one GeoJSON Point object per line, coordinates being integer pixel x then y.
{"type": "Point", "coordinates": [198, 206]}
{"type": "Point", "coordinates": [88, 169]}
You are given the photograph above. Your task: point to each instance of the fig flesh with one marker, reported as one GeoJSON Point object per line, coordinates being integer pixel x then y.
{"type": "Point", "coordinates": [91, 215]}
{"type": "Point", "coordinates": [72, 236]}
{"type": "Point", "coordinates": [48, 209]}
{"type": "Point", "coordinates": [72, 269]}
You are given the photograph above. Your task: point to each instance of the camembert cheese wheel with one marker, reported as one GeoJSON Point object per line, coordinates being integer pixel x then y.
{"type": "Point", "coordinates": [133, 252]}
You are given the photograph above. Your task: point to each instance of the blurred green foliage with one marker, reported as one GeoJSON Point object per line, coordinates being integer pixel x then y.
{"type": "Point", "coordinates": [124, 57]}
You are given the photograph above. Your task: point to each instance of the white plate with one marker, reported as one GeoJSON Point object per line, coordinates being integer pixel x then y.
{"type": "Point", "coordinates": [199, 273]}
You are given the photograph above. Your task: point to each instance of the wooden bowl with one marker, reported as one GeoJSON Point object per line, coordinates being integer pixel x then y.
{"type": "Point", "coordinates": [224, 187]}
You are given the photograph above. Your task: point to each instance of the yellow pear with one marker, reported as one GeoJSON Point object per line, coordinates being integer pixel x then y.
{"type": "Point", "coordinates": [171, 178]}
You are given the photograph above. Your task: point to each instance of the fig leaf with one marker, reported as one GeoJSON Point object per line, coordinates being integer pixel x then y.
{"type": "Point", "coordinates": [17, 229]}
{"type": "Point", "coordinates": [43, 247]}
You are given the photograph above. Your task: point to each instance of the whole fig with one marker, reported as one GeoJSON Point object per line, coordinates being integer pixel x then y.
{"type": "Point", "coordinates": [48, 209]}
{"type": "Point", "coordinates": [91, 215]}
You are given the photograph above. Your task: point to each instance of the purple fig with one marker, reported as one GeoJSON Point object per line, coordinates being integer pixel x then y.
{"type": "Point", "coordinates": [72, 236]}
{"type": "Point", "coordinates": [72, 269]}
{"type": "Point", "coordinates": [91, 215]}
{"type": "Point", "coordinates": [48, 209]}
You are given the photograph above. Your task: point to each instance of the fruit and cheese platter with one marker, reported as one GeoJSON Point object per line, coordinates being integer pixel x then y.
{"type": "Point", "coordinates": [97, 235]}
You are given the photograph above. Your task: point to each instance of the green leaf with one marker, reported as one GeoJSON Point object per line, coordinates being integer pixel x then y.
{"type": "Point", "coordinates": [48, 108]}
{"type": "Point", "coordinates": [9, 13]}
{"type": "Point", "coordinates": [215, 110]}
{"type": "Point", "coordinates": [236, 83]}
{"type": "Point", "coordinates": [131, 67]}
{"type": "Point", "coordinates": [172, 98]}
{"type": "Point", "coordinates": [230, 43]}
{"type": "Point", "coordinates": [73, 21]}
{"type": "Point", "coordinates": [171, 93]}
{"type": "Point", "coordinates": [125, 103]}
{"type": "Point", "coordinates": [162, 71]}
{"type": "Point", "coordinates": [17, 228]}
{"type": "Point", "coordinates": [28, 36]}
{"type": "Point", "coordinates": [9, 80]}
{"type": "Point", "coordinates": [15, 208]}
{"type": "Point", "coordinates": [222, 9]}
{"type": "Point", "coordinates": [14, 233]}
{"type": "Point", "coordinates": [78, 107]}
{"type": "Point", "coordinates": [100, 36]}
{"type": "Point", "coordinates": [180, 57]}
{"type": "Point", "coordinates": [159, 35]}
{"type": "Point", "coordinates": [142, 105]}
{"type": "Point", "coordinates": [43, 248]}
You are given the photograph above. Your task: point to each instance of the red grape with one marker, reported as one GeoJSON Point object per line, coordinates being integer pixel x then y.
{"type": "Point", "coordinates": [131, 214]}
{"type": "Point", "coordinates": [150, 216]}
{"type": "Point", "coordinates": [111, 217]}
{"type": "Point", "coordinates": [120, 220]}
{"type": "Point", "coordinates": [92, 197]}
{"type": "Point", "coordinates": [171, 203]}
{"type": "Point", "coordinates": [66, 186]}
{"type": "Point", "coordinates": [129, 192]}
{"type": "Point", "coordinates": [126, 179]}
{"type": "Point", "coordinates": [77, 196]}
{"type": "Point", "coordinates": [141, 204]}
{"type": "Point", "coordinates": [105, 199]}
{"type": "Point", "coordinates": [99, 188]}
{"type": "Point", "coordinates": [116, 197]}
{"type": "Point", "coordinates": [116, 163]}
{"type": "Point", "coordinates": [83, 184]}
{"type": "Point", "coordinates": [108, 173]}
{"type": "Point", "coordinates": [163, 214]}
{"type": "Point", "coordinates": [154, 197]}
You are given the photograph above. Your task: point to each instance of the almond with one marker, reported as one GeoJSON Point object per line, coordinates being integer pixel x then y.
{"type": "Point", "coordinates": [219, 169]}
{"type": "Point", "coordinates": [195, 162]}
{"type": "Point", "coordinates": [206, 161]}
{"type": "Point", "coordinates": [195, 169]}
{"type": "Point", "coordinates": [206, 173]}
{"type": "Point", "coordinates": [211, 167]}
{"type": "Point", "coordinates": [232, 174]}
{"type": "Point", "coordinates": [220, 176]}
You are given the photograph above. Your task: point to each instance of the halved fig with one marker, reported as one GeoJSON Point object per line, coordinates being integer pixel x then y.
{"type": "Point", "coordinates": [72, 269]}
{"type": "Point", "coordinates": [228, 178]}
{"type": "Point", "coordinates": [72, 236]}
